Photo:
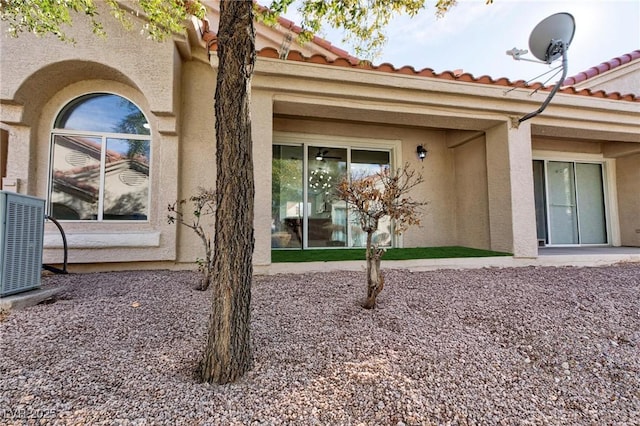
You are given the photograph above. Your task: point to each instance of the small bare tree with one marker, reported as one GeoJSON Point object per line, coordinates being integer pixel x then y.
{"type": "Point", "coordinates": [204, 204]}
{"type": "Point", "coordinates": [374, 197]}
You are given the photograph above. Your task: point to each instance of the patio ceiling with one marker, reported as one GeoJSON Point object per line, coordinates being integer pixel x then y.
{"type": "Point", "coordinates": [391, 115]}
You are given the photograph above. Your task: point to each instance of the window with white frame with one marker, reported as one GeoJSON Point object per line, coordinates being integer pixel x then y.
{"type": "Point", "coordinates": [99, 160]}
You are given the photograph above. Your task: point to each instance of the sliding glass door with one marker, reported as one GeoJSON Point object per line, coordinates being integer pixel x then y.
{"type": "Point", "coordinates": [306, 212]}
{"type": "Point", "coordinates": [368, 163]}
{"type": "Point", "coordinates": [570, 202]}
{"type": "Point", "coordinates": [540, 201]}
{"type": "Point", "coordinates": [590, 195]}
{"type": "Point", "coordinates": [327, 217]}
{"type": "Point", "coordinates": [563, 211]}
{"type": "Point", "coordinates": [287, 208]}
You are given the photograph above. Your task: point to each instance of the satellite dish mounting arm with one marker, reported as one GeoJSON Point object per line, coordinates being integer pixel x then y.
{"type": "Point", "coordinates": [553, 47]}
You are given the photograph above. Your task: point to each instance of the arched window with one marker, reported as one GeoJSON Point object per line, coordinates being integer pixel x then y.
{"type": "Point", "coordinates": [100, 150]}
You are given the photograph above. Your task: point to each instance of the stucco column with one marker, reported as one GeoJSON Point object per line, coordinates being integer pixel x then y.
{"type": "Point", "coordinates": [166, 190]}
{"type": "Point", "coordinates": [512, 218]}
{"type": "Point", "coordinates": [18, 160]}
{"type": "Point", "coordinates": [262, 134]}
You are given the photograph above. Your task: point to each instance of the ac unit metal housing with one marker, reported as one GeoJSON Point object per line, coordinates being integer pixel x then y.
{"type": "Point", "coordinates": [21, 236]}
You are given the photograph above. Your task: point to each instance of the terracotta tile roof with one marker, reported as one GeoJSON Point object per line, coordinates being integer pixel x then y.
{"type": "Point", "coordinates": [602, 68]}
{"type": "Point", "coordinates": [291, 26]}
{"type": "Point", "coordinates": [348, 62]}
{"type": "Point", "coordinates": [208, 35]}
{"type": "Point", "coordinates": [211, 37]}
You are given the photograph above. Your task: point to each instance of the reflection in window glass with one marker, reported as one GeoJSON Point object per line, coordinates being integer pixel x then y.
{"type": "Point", "coordinates": [363, 164]}
{"type": "Point", "coordinates": [126, 179]}
{"type": "Point", "coordinates": [286, 194]}
{"type": "Point", "coordinates": [327, 217]}
{"type": "Point", "coordinates": [103, 112]}
{"type": "Point", "coordinates": [75, 184]}
{"type": "Point", "coordinates": [104, 176]}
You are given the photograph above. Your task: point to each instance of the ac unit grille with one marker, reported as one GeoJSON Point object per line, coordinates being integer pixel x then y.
{"type": "Point", "coordinates": [23, 233]}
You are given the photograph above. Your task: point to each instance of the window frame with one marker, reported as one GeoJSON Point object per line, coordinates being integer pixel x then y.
{"type": "Point", "coordinates": [104, 137]}
{"type": "Point", "coordinates": [609, 185]}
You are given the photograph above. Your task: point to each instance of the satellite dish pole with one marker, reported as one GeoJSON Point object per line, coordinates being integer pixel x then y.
{"type": "Point", "coordinates": [549, 40]}
{"type": "Point", "coordinates": [555, 88]}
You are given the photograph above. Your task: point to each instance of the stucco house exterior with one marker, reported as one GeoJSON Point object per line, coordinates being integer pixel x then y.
{"type": "Point", "coordinates": [110, 131]}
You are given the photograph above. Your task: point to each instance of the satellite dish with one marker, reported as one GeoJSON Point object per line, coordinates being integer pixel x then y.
{"type": "Point", "coordinates": [546, 38]}
{"type": "Point", "coordinates": [549, 41]}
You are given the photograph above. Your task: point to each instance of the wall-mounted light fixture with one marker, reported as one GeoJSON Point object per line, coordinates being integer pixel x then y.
{"type": "Point", "coordinates": [422, 152]}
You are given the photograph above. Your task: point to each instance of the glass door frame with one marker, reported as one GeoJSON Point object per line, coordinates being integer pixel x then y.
{"type": "Point", "coordinates": [394, 147]}
{"type": "Point", "coordinates": [305, 190]}
{"type": "Point", "coordinates": [605, 167]}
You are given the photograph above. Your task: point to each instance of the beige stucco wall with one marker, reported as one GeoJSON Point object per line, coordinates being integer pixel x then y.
{"type": "Point", "coordinates": [560, 145]}
{"type": "Point", "coordinates": [512, 223]}
{"type": "Point", "coordinates": [624, 79]}
{"type": "Point", "coordinates": [628, 186]}
{"type": "Point", "coordinates": [37, 85]}
{"type": "Point", "coordinates": [472, 203]}
{"type": "Point", "coordinates": [262, 135]}
{"type": "Point", "coordinates": [197, 147]}
{"type": "Point", "coordinates": [438, 222]}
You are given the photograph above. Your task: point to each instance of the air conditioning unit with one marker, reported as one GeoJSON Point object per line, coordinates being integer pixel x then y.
{"type": "Point", "coordinates": [21, 235]}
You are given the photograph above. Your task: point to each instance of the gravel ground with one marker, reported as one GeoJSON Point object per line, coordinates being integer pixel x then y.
{"type": "Point", "coordinates": [521, 346]}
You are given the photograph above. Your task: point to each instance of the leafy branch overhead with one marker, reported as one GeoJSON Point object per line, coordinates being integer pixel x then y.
{"type": "Point", "coordinates": [362, 21]}
{"type": "Point", "coordinates": [160, 18]}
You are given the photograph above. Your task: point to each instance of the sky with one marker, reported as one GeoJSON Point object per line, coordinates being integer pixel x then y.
{"type": "Point", "coordinates": [474, 36]}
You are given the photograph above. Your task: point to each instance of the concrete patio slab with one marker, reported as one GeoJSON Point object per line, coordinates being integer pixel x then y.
{"type": "Point", "coordinates": [547, 256]}
{"type": "Point", "coordinates": [28, 298]}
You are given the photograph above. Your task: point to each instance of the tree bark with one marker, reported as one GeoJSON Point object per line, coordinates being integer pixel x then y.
{"type": "Point", "coordinates": [228, 352]}
{"type": "Point", "coordinates": [375, 280]}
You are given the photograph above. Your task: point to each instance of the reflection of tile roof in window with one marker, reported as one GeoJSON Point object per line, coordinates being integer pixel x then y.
{"type": "Point", "coordinates": [602, 68]}
{"type": "Point", "coordinates": [269, 52]}
{"type": "Point", "coordinates": [92, 148]}
{"type": "Point", "coordinates": [81, 145]}
{"type": "Point", "coordinates": [69, 183]}
{"type": "Point", "coordinates": [81, 178]}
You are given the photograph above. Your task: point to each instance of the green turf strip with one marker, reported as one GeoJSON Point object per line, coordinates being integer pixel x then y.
{"type": "Point", "coordinates": [329, 255]}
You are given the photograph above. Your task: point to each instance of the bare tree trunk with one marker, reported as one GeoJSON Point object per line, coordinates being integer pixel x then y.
{"type": "Point", "coordinates": [375, 280]}
{"type": "Point", "coordinates": [228, 352]}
